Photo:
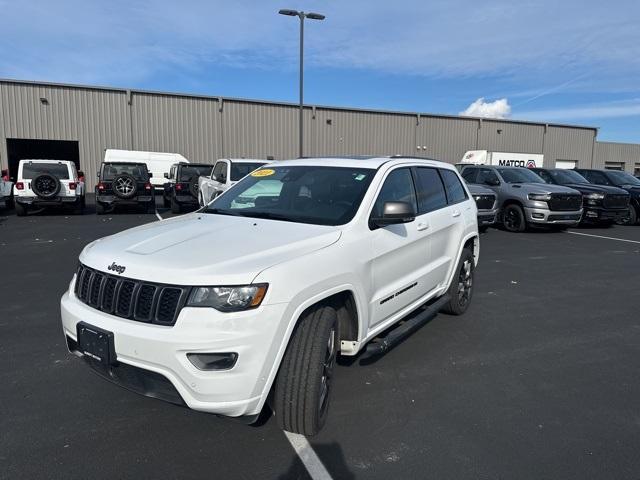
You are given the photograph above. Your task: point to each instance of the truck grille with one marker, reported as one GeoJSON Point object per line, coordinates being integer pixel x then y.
{"type": "Point", "coordinates": [616, 201]}
{"type": "Point", "coordinates": [127, 298]}
{"type": "Point", "coordinates": [565, 202]}
{"type": "Point", "coordinates": [485, 202]}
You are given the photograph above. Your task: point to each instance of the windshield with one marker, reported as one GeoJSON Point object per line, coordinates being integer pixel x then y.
{"type": "Point", "coordinates": [239, 170]}
{"type": "Point", "coordinates": [519, 175]}
{"type": "Point", "coordinates": [305, 194]}
{"type": "Point", "coordinates": [622, 178]}
{"type": "Point", "coordinates": [32, 170]}
{"type": "Point", "coordinates": [567, 176]}
{"type": "Point", "coordinates": [112, 170]}
{"type": "Point", "coordinates": [190, 171]}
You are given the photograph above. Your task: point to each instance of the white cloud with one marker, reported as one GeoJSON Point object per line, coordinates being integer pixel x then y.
{"type": "Point", "coordinates": [496, 109]}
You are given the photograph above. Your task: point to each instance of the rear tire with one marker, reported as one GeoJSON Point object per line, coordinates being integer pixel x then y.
{"type": "Point", "coordinates": [461, 288]}
{"type": "Point", "coordinates": [303, 386]}
{"type": "Point", "coordinates": [21, 210]}
{"type": "Point", "coordinates": [175, 206]}
{"type": "Point", "coordinates": [513, 219]}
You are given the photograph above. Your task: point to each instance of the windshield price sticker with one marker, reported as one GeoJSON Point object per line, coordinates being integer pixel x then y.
{"type": "Point", "coordinates": [263, 173]}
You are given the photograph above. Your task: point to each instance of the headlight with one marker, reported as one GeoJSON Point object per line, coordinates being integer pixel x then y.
{"type": "Point", "coordinates": [540, 197]}
{"type": "Point", "coordinates": [228, 299]}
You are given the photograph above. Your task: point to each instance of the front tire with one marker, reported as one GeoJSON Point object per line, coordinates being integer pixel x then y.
{"type": "Point", "coordinates": [632, 219]}
{"type": "Point", "coordinates": [303, 386]}
{"type": "Point", "coordinates": [461, 288]}
{"type": "Point", "coordinates": [513, 219]}
{"type": "Point", "coordinates": [21, 210]}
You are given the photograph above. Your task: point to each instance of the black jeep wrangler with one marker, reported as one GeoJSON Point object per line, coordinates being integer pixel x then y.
{"type": "Point", "coordinates": [124, 184]}
{"type": "Point", "coordinates": [182, 188]}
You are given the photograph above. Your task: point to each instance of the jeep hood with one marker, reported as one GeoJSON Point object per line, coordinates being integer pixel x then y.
{"type": "Point", "coordinates": [206, 249]}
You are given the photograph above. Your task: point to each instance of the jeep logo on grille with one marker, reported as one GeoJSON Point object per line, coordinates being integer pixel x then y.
{"type": "Point", "coordinates": [119, 269]}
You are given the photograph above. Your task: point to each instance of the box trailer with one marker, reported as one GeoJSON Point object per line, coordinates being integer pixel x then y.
{"type": "Point", "coordinates": [503, 159]}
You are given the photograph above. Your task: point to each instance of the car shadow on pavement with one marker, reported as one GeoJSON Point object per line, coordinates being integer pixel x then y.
{"type": "Point", "coordinates": [331, 456]}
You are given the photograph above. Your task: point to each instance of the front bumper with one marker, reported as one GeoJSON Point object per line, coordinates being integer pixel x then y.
{"type": "Point", "coordinates": [487, 217]}
{"type": "Point", "coordinates": [55, 201]}
{"type": "Point", "coordinates": [600, 214]}
{"type": "Point", "coordinates": [545, 216]}
{"type": "Point", "coordinates": [255, 335]}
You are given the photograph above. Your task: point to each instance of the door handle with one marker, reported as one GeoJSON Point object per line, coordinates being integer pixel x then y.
{"type": "Point", "coordinates": [456, 213]}
{"type": "Point", "coordinates": [422, 226]}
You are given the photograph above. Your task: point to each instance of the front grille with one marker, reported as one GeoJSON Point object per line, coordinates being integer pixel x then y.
{"type": "Point", "coordinates": [485, 202]}
{"type": "Point", "coordinates": [615, 201]}
{"type": "Point", "coordinates": [127, 298]}
{"type": "Point", "coordinates": [565, 202]}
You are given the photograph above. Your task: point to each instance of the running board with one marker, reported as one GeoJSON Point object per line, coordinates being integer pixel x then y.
{"type": "Point", "coordinates": [382, 345]}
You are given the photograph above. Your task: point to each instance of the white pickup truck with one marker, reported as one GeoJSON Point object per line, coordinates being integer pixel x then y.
{"type": "Point", "coordinates": [252, 297]}
{"type": "Point", "coordinates": [226, 172]}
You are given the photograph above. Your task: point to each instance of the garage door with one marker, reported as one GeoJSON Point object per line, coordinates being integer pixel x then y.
{"type": "Point", "coordinates": [566, 163]}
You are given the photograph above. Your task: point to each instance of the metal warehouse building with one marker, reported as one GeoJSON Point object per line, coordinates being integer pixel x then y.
{"type": "Point", "coordinates": [44, 120]}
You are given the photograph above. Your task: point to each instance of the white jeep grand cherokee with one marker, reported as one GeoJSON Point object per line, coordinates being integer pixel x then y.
{"type": "Point", "coordinates": [252, 297]}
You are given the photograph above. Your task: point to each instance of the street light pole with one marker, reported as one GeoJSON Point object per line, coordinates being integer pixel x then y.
{"type": "Point", "coordinates": [301, 15]}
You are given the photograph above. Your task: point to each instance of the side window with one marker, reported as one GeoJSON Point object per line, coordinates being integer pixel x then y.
{"type": "Point", "coordinates": [172, 173]}
{"type": "Point", "coordinates": [431, 194]}
{"type": "Point", "coordinates": [598, 178]}
{"type": "Point", "coordinates": [455, 191]}
{"type": "Point", "coordinates": [220, 168]}
{"type": "Point", "coordinates": [470, 174]}
{"type": "Point", "coordinates": [397, 187]}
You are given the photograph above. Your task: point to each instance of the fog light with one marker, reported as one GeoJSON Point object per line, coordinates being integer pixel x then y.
{"type": "Point", "coordinates": [213, 361]}
{"type": "Point", "coordinates": [538, 215]}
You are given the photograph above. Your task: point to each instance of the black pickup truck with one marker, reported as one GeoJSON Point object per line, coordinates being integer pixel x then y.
{"type": "Point", "coordinates": [623, 180]}
{"type": "Point", "coordinates": [603, 204]}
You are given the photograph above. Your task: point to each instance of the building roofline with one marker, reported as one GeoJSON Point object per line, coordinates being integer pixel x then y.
{"type": "Point", "coordinates": [608, 142]}
{"type": "Point", "coordinates": [288, 104]}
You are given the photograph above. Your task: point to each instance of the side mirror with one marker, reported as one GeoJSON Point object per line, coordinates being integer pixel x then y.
{"type": "Point", "coordinates": [98, 175]}
{"type": "Point", "coordinates": [394, 213]}
{"type": "Point", "coordinates": [150, 174]}
{"type": "Point", "coordinates": [221, 179]}
{"type": "Point", "coordinates": [492, 182]}
{"type": "Point", "coordinates": [166, 175]}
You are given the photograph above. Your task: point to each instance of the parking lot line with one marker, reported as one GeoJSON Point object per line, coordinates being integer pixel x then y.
{"type": "Point", "coordinates": [308, 456]}
{"type": "Point", "coordinates": [158, 215]}
{"type": "Point", "coordinates": [607, 238]}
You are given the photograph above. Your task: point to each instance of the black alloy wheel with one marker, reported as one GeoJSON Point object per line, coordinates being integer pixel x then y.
{"type": "Point", "coordinates": [45, 186]}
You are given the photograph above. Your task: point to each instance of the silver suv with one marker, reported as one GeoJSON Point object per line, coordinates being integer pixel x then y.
{"type": "Point", "coordinates": [525, 199]}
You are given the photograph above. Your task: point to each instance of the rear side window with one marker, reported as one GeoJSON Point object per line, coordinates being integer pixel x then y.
{"type": "Point", "coordinates": [431, 193]}
{"type": "Point", "coordinates": [32, 170]}
{"type": "Point", "coordinates": [239, 170]}
{"type": "Point", "coordinates": [455, 191]}
{"type": "Point", "coordinates": [398, 187]}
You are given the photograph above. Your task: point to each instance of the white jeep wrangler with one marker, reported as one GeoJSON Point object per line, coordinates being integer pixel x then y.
{"type": "Point", "coordinates": [252, 297]}
{"type": "Point", "coordinates": [47, 183]}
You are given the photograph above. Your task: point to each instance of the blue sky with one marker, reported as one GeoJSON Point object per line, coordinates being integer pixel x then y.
{"type": "Point", "coordinates": [569, 61]}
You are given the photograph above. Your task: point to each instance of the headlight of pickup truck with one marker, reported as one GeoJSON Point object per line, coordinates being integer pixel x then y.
{"type": "Point", "coordinates": [594, 198]}
{"type": "Point", "coordinates": [539, 197]}
{"type": "Point", "coordinates": [228, 299]}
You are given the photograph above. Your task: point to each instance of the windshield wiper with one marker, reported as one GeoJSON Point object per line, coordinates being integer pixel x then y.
{"type": "Point", "coordinates": [270, 216]}
{"type": "Point", "coordinates": [220, 211]}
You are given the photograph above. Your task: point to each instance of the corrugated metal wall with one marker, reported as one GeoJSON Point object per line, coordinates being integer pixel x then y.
{"type": "Point", "coordinates": [97, 119]}
{"type": "Point", "coordinates": [562, 143]}
{"type": "Point", "coordinates": [510, 137]}
{"type": "Point", "coordinates": [445, 139]}
{"type": "Point", "coordinates": [174, 124]}
{"type": "Point", "coordinates": [206, 128]}
{"type": "Point", "coordinates": [629, 153]}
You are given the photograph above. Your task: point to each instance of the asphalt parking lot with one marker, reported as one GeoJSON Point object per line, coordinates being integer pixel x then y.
{"type": "Point", "coordinates": [539, 379]}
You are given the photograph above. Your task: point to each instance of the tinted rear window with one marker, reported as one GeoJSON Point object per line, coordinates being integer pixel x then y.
{"type": "Point", "coordinates": [431, 194]}
{"type": "Point", "coordinates": [111, 171]}
{"type": "Point", "coordinates": [32, 170]}
{"type": "Point", "coordinates": [455, 191]}
{"type": "Point", "coordinates": [187, 173]}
